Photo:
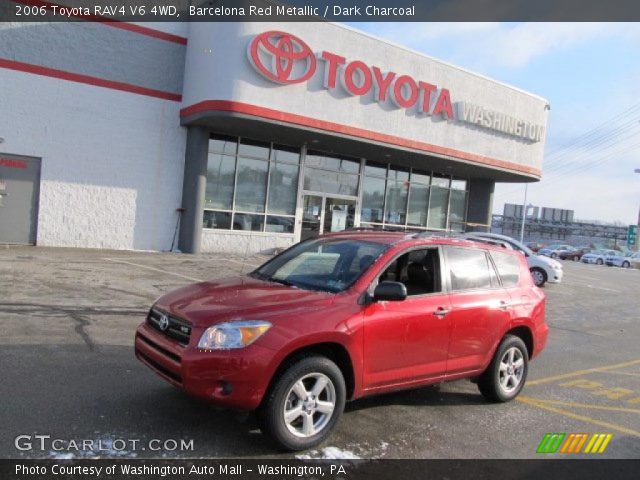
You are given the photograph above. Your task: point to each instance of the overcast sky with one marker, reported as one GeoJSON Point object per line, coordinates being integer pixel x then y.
{"type": "Point", "coordinates": [590, 73]}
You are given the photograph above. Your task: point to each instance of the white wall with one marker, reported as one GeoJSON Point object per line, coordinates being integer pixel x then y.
{"type": "Point", "coordinates": [112, 161]}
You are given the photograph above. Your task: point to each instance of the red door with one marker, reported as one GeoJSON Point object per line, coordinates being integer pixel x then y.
{"type": "Point", "coordinates": [407, 341]}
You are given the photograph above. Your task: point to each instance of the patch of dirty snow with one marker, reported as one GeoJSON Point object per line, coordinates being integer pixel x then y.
{"type": "Point", "coordinates": [330, 453]}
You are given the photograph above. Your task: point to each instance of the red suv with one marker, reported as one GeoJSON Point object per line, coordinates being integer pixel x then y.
{"type": "Point", "coordinates": [344, 316]}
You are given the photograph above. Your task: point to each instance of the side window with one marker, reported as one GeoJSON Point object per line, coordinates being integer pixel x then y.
{"type": "Point", "coordinates": [418, 270]}
{"type": "Point", "coordinates": [468, 268]}
{"type": "Point", "coordinates": [508, 267]}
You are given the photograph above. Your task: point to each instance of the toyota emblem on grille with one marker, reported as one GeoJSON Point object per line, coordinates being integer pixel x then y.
{"type": "Point", "coordinates": [163, 323]}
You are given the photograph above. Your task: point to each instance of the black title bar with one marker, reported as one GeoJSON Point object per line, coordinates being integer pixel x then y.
{"type": "Point", "coordinates": [319, 10]}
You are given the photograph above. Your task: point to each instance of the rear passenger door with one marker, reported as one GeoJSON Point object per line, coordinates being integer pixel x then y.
{"type": "Point", "coordinates": [480, 308]}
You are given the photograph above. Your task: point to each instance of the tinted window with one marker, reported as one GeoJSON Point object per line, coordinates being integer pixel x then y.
{"type": "Point", "coordinates": [508, 267]}
{"type": "Point", "coordinates": [418, 270]}
{"type": "Point", "coordinates": [468, 268]}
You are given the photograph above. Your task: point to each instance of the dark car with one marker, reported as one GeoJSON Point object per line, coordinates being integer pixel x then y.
{"type": "Point", "coordinates": [575, 254]}
{"type": "Point", "coordinates": [345, 316]}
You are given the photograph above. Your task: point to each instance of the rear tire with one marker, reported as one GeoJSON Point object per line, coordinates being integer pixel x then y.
{"type": "Point", "coordinates": [539, 276]}
{"type": "Point", "coordinates": [626, 264]}
{"type": "Point", "coordinates": [507, 373]}
{"type": "Point", "coordinates": [599, 261]}
{"type": "Point", "coordinates": [303, 404]}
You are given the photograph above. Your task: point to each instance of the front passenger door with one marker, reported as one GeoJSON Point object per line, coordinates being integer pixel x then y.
{"type": "Point", "coordinates": [406, 341]}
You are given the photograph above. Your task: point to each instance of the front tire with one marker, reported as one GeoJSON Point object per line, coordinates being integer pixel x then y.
{"type": "Point", "coordinates": [599, 261]}
{"type": "Point", "coordinates": [507, 373]}
{"type": "Point", "coordinates": [539, 276]}
{"type": "Point", "coordinates": [304, 404]}
{"type": "Point", "coordinates": [554, 255]}
{"type": "Point", "coordinates": [626, 264]}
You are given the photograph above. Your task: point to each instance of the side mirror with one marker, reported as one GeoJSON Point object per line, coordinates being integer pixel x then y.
{"type": "Point", "coordinates": [390, 291]}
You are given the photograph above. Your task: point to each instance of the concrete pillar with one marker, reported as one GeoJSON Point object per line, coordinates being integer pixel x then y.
{"type": "Point", "coordinates": [480, 204]}
{"type": "Point", "coordinates": [193, 189]}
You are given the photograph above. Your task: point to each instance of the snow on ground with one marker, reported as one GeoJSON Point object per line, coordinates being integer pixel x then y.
{"type": "Point", "coordinates": [331, 453]}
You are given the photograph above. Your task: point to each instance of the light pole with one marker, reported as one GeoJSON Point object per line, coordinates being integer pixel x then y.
{"type": "Point", "coordinates": [637, 170]}
{"type": "Point", "coordinates": [525, 209]}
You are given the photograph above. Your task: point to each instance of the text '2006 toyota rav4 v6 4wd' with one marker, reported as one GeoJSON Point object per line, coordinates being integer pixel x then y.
{"type": "Point", "coordinates": [344, 316]}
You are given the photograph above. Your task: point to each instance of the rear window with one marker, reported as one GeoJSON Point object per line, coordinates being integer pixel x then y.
{"type": "Point", "coordinates": [468, 268]}
{"type": "Point", "coordinates": [508, 268]}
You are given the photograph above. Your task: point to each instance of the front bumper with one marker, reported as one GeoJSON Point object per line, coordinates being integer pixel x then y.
{"type": "Point", "coordinates": [554, 276]}
{"type": "Point", "coordinates": [236, 379]}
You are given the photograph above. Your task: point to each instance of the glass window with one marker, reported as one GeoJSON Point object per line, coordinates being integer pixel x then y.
{"type": "Point", "coordinates": [217, 220]}
{"type": "Point", "coordinates": [418, 205]}
{"type": "Point", "coordinates": [246, 221]}
{"type": "Point", "coordinates": [372, 169]}
{"type": "Point", "coordinates": [468, 268]}
{"type": "Point", "coordinates": [335, 164]}
{"type": "Point", "coordinates": [508, 267]}
{"type": "Point", "coordinates": [283, 187]}
{"type": "Point", "coordinates": [220, 178]}
{"type": "Point", "coordinates": [458, 184]}
{"type": "Point", "coordinates": [223, 144]}
{"type": "Point", "coordinates": [418, 270]}
{"type": "Point", "coordinates": [285, 154]}
{"type": "Point", "coordinates": [251, 187]}
{"type": "Point", "coordinates": [457, 208]}
{"type": "Point", "coordinates": [372, 199]}
{"type": "Point", "coordinates": [441, 180]}
{"type": "Point", "coordinates": [396, 201]}
{"type": "Point", "coordinates": [438, 204]}
{"type": "Point", "coordinates": [250, 148]}
{"type": "Point", "coordinates": [280, 224]}
{"type": "Point", "coordinates": [330, 182]}
{"type": "Point", "coordinates": [420, 177]}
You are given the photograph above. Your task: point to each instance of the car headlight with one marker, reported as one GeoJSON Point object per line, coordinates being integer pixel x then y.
{"type": "Point", "coordinates": [230, 335]}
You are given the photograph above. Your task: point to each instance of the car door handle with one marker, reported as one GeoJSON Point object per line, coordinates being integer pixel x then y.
{"type": "Point", "coordinates": [504, 305]}
{"type": "Point", "coordinates": [441, 312]}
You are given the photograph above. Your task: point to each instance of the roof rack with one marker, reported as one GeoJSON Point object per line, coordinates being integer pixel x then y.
{"type": "Point", "coordinates": [490, 241]}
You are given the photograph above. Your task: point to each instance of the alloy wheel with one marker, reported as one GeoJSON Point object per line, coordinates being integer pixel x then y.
{"type": "Point", "coordinates": [511, 369]}
{"type": "Point", "coordinates": [309, 405]}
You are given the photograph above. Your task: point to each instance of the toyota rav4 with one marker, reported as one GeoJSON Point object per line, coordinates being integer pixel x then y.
{"type": "Point", "coordinates": [344, 316]}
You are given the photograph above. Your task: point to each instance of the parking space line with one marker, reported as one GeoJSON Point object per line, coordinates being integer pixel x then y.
{"type": "Point", "coordinates": [153, 269]}
{"type": "Point", "coordinates": [587, 405]}
{"type": "Point", "coordinates": [624, 373]}
{"type": "Point", "coordinates": [534, 402]}
{"type": "Point", "coordinates": [583, 372]}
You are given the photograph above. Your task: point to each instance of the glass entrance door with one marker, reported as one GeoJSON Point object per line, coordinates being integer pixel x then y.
{"type": "Point", "coordinates": [312, 210]}
{"type": "Point", "coordinates": [323, 214]}
{"type": "Point", "coordinates": [338, 214]}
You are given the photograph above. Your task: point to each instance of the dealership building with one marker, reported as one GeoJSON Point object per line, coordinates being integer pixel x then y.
{"type": "Point", "coordinates": [245, 137]}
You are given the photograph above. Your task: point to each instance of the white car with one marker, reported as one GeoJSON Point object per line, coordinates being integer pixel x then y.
{"type": "Point", "coordinates": [598, 257]}
{"type": "Point", "coordinates": [543, 269]}
{"type": "Point", "coordinates": [622, 259]}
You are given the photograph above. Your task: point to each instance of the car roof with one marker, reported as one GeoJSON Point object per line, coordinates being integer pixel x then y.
{"type": "Point", "coordinates": [410, 238]}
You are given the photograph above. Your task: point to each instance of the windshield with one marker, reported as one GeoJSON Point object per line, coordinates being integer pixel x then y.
{"type": "Point", "coordinates": [330, 265]}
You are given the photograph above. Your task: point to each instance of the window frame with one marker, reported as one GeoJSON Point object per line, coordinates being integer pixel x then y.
{"type": "Point", "coordinates": [271, 161]}
{"type": "Point", "coordinates": [443, 290]}
{"type": "Point", "coordinates": [490, 266]}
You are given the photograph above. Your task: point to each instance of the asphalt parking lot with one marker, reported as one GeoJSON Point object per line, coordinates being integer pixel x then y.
{"type": "Point", "coordinates": [68, 370]}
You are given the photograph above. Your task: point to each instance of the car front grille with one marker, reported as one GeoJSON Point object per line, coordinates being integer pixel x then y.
{"type": "Point", "coordinates": [171, 326]}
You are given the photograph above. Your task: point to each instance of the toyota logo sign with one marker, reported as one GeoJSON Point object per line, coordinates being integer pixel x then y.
{"type": "Point", "coordinates": [282, 57]}
{"type": "Point", "coordinates": [163, 323]}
